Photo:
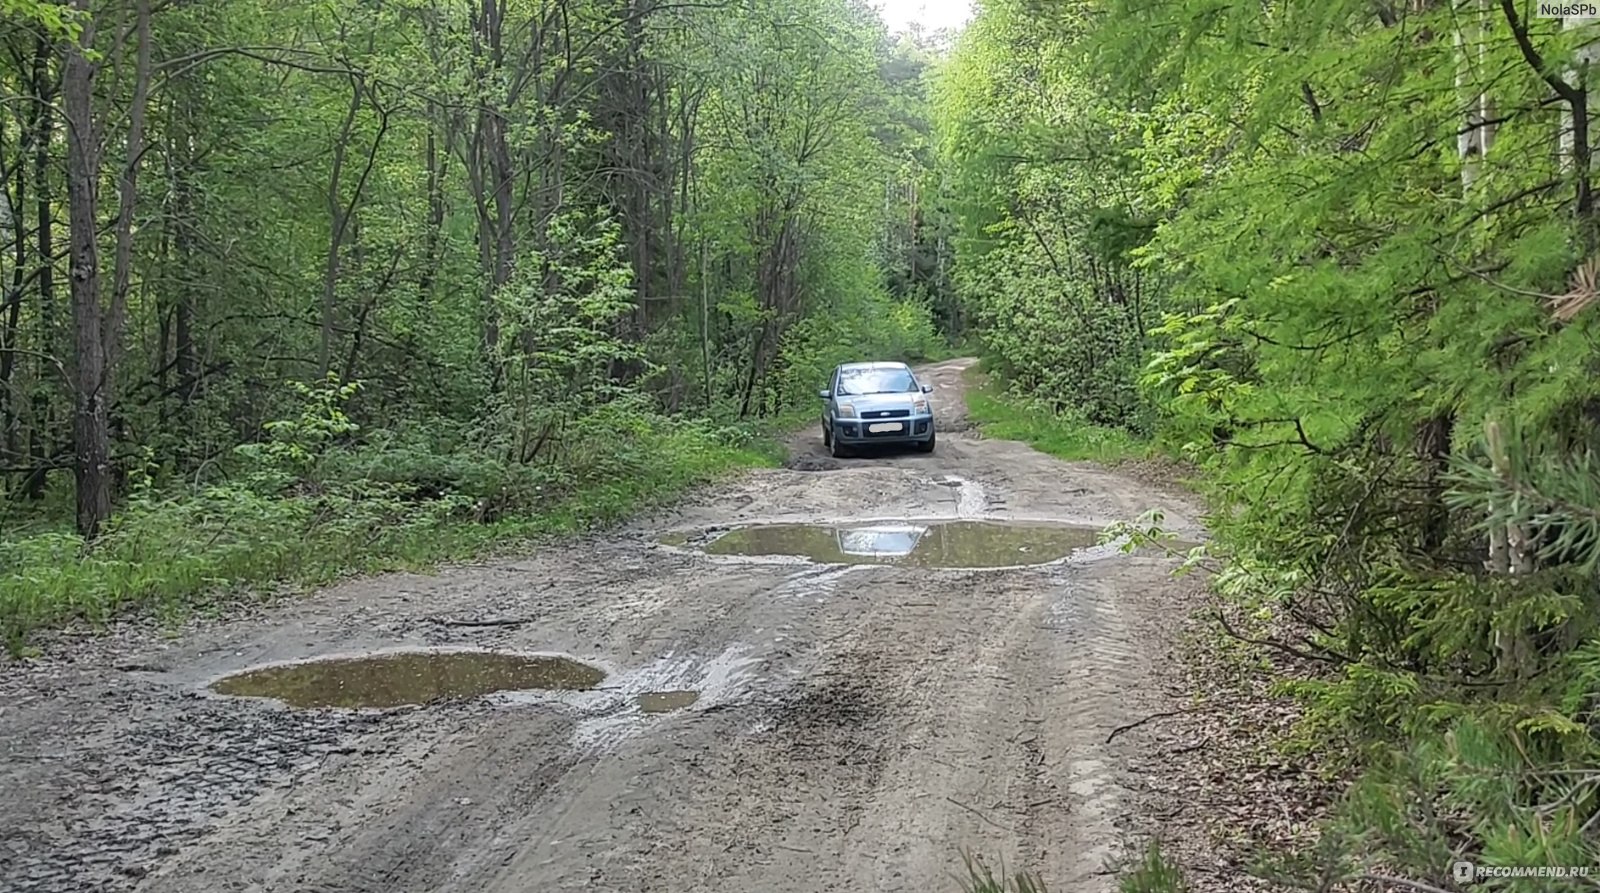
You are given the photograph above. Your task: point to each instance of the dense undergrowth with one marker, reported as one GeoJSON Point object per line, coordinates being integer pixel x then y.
{"type": "Point", "coordinates": [360, 509]}
{"type": "Point", "coordinates": [1340, 257]}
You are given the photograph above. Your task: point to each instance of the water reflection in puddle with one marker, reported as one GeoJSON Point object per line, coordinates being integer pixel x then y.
{"type": "Point", "coordinates": [397, 679]}
{"type": "Point", "coordinates": [953, 544]}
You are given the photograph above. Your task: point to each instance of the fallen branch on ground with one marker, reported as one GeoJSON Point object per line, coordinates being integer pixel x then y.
{"type": "Point", "coordinates": [1151, 718]}
{"type": "Point", "coordinates": [980, 815]}
{"type": "Point", "coordinates": [1331, 657]}
{"type": "Point", "coordinates": [507, 621]}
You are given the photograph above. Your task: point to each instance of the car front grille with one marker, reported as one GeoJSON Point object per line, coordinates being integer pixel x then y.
{"type": "Point", "coordinates": [887, 414]}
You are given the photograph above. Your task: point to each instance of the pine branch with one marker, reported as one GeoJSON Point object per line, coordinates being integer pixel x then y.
{"type": "Point", "coordinates": [1538, 489]}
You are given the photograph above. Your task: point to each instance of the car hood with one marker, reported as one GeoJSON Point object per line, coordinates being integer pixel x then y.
{"type": "Point", "coordinates": [874, 402]}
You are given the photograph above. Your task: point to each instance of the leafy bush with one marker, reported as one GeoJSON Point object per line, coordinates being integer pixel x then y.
{"type": "Point", "coordinates": [304, 508]}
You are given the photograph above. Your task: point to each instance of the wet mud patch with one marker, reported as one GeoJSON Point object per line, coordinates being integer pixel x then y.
{"type": "Point", "coordinates": [932, 544]}
{"type": "Point", "coordinates": [407, 678]}
{"type": "Point", "coordinates": [691, 539]}
{"type": "Point", "coordinates": [812, 463]}
{"type": "Point", "coordinates": [172, 776]}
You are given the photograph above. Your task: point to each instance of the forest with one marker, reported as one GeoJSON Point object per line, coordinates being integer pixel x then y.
{"type": "Point", "coordinates": [290, 291]}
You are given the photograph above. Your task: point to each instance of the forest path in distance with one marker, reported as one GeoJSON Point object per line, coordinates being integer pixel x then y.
{"type": "Point", "coordinates": [815, 726]}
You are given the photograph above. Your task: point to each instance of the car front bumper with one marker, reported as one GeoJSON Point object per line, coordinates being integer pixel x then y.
{"type": "Point", "coordinates": [914, 429]}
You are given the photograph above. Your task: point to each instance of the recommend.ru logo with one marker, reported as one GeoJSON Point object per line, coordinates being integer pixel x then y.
{"type": "Point", "coordinates": [1467, 872]}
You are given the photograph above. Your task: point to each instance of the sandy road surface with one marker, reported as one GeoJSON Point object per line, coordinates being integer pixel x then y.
{"type": "Point", "coordinates": [856, 726]}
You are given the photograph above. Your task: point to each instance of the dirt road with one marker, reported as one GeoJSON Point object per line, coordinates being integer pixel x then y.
{"type": "Point", "coordinates": [854, 727]}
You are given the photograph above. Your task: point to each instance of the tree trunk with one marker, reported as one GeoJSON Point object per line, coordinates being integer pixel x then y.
{"type": "Point", "coordinates": [185, 354]}
{"type": "Point", "coordinates": [435, 175]}
{"type": "Point", "coordinates": [127, 199]}
{"type": "Point", "coordinates": [705, 325]}
{"type": "Point", "coordinates": [338, 217]}
{"type": "Point", "coordinates": [490, 174]}
{"type": "Point", "coordinates": [1474, 140]}
{"type": "Point", "coordinates": [90, 435]}
{"type": "Point", "coordinates": [1576, 148]}
{"type": "Point", "coordinates": [43, 130]}
{"type": "Point", "coordinates": [1433, 448]}
{"type": "Point", "coordinates": [14, 223]}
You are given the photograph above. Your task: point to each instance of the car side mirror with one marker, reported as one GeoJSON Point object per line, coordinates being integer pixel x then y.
{"type": "Point", "coordinates": [824, 393]}
{"type": "Point", "coordinates": [927, 389]}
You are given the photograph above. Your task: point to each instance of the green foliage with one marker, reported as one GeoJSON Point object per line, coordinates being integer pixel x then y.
{"type": "Point", "coordinates": [53, 19]}
{"type": "Point", "coordinates": [1335, 304]}
{"type": "Point", "coordinates": [1154, 874]}
{"type": "Point", "coordinates": [1050, 218]}
{"type": "Point", "coordinates": [298, 446]}
{"type": "Point", "coordinates": [1011, 416]}
{"type": "Point", "coordinates": [355, 509]}
{"type": "Point", "coordinates": [520, 292]}
{"type": "Point", "coordinates": [980, 878]}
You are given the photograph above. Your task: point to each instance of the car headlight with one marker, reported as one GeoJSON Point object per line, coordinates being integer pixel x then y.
{"type": "Point", "coordinates": [919, 406]}
{"type": "Point", "coordinates": [847, 410]}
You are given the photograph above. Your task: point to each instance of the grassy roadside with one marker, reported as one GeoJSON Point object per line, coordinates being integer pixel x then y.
{"type": "Point", "coordinates": [299, 513]}
{"type": "Point", "coordinates": [1002, 415]}
{"type": "Point", "coordinates": [174, 550]}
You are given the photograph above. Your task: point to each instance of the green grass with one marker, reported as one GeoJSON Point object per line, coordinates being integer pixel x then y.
{"type": "Point", "coordinates": [174, 553]}
{"type": "Point", "coordinates": [1008, 417]}
{"type": "Point", "coordinates": [1152, 874]}
{"type": "Point", "coordinates": [981, 879]}
{"type": "Point", "coordinates": [181, 548]}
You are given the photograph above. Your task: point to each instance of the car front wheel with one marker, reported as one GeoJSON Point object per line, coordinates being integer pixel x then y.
{"type": "Point", "coordinates": [928, 446]}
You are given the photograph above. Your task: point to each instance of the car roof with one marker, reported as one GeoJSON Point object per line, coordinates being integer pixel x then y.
{"type": "Point", "coordinates": [851, 367]}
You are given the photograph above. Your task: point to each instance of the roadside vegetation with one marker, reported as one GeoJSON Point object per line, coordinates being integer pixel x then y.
{"type": "Point", "coordinates": [1061, 432]}
{"type": "Point", "coordinates": [339, 287]}
{"type": "Point", "coordinates": [1341, 256]}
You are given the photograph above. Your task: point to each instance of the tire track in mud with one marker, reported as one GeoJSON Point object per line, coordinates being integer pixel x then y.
{"type": "Point", "coordinates": [165, 785]}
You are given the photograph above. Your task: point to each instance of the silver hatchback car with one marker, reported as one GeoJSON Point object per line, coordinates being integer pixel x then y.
{"type": "Point", "coordinates": [876, 403]}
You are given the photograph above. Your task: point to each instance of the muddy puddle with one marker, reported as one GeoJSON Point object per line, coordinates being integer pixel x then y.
{"type": "Point", "coordinates": [950, 544]}
{"type": "Point", "coordinates": [406, 678]}
{"type": "Point", "coordinates": [667, 701]}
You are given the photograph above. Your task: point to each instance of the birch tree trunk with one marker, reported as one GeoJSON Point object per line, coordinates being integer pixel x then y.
{"type": "Point", "coordinates": [1576, 151]}
{"type": "Point", "coordinates": [1474, 140]}
{"type": "Point", "coordinates": [1573, 126]}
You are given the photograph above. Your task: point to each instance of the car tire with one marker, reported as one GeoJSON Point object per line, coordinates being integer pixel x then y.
{"type": "Point", "coordinates": [827, 438]}
{"type": "Point", "coordinates": [928, 447]}
{"type": "Point", "coordinates": [837, 450]}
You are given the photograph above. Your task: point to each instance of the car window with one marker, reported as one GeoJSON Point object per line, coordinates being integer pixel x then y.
{"type": "Point", "coordinates": [876, 381]}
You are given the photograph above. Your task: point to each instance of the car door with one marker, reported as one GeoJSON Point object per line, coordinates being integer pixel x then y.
{"type": "Point", "coordinates": [830, 407]}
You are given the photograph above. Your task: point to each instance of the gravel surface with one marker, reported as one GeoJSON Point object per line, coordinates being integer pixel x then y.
{"type": "Point", "coordinates": [855, 726]}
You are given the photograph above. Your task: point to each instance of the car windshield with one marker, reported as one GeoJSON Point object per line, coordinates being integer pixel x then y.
{"type": "Point", "coordinates": [876, 381]}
